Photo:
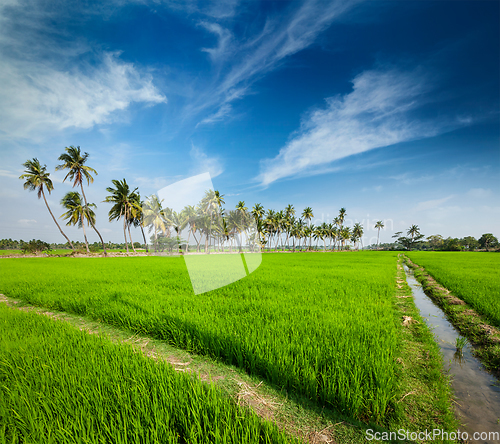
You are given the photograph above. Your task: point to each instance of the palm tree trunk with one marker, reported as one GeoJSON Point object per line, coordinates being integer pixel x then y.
{"type": "Point", "coordinates": [124, 227]}
{"type": "Point", "coordinates": [62, 232]}
{"type": "Point", "coordinates": [130, 236]}
{"type": "Point", "coordinates": [84, 234]}
{"type": "Point", "coordinates": [144, 237]}
{"type": "Point", "coordinates": [91, 222]}
{"type": "Point", "coordinates": [378, 234]}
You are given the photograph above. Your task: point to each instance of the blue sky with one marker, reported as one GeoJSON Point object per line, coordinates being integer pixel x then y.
{"type": "Point", "coordinates": [389, 109]}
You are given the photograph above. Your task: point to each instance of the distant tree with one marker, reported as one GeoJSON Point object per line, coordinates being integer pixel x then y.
{"type": "Point", "coordinates": [451, 244]}
{"type": "Point", "coordinates": [435, 241]}
{"type": "Point", "coordinates": [357, 233]}
{"type": "Point", "coordinates": [409, 242]}
{"type": "Point", "coordinates": [488, 241]}
{"type": "Point", "coordinates": [37, 178]}
{"type": "Point", "coordinates": [378, 226]}
{"type": "Point", "coordinates": [469, 243]}
{"type": "Point", "coordinates": [35, 246]}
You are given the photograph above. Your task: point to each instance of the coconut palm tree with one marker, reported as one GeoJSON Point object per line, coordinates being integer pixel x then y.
{"type": "Point", "coordinates": [357, 232]}
{"type": "Point", "coordinates": [37, 178]}
{"type": "Point", "coordinates": [138, 215]}
{"type": "Point", "coordinates": [345, 235]}
{"type": "Point", "coordinates": [74, 161]}
{"type": "Point", "coordinates": [153, 217]}
{"type": "Point", "coordinates": [413, 231]}
{"type": "Point", "coordinates": [125, 203]}
{"type": "Point", "coordinates": [77, 214]}
{"type": "Point", "coordinates": [338, 224]}
{"type": "Point", "coordinates": [378, 226]}
{"type": "Point", "coordinates": [307, 214]}
{"type": "Point", "coordinates": [341, 217]}
{"type": "Point", "coordinates": [415, 235]}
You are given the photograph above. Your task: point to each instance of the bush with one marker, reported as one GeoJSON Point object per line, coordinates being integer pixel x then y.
{"type": "Point", "coordinates": [35, 246]}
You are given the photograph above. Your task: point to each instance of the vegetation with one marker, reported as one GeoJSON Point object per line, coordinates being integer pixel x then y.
{"type": "Point", "coordinates": [78, 213]}
{"type": "Point", "coordinates": [62, 385]}
{"type": "Point", "coordinates": [74, 161]}
{"type": "Point", "coordinates": [34, 246]}
{"type": "Point", "coordinates": [474, 278]}
{"type": "Point", "coordinates": [272, 324]}
{"type": "Point", "coordinates": [214, 228]}
{"type": "Point", "coordinates": [37, 179]}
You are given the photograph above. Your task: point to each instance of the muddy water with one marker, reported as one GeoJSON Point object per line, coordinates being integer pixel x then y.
{"type": "Point", "coordinates": [477, 392]}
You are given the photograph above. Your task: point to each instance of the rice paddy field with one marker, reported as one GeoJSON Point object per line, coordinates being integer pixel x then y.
{"type": "Point", "coordinates": [58, 384]}
{"type": "Point", "coordinates": [472, 276]}
{"type": "Point", "coordinates": [323, 326]}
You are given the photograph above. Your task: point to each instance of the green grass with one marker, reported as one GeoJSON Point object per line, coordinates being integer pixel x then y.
{"type": "Point", "coordinates": [473, 277]}
{"type": "Point", "coordinates": [61, 385]}
{"type": "Point", "coordinates": [322, 325]}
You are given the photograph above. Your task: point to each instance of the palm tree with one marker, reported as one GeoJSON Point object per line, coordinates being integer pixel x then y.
{"type": "Point", "coordinates": [341, 217]}
{"type": "Point", "coordinates": [378, 226]}
{"type": "Point", "coordinates": [307, 214]}
{"type": "Point", "coordinates": [345, 235]}
{"type": "Point", "coordinates": [37, 178]}
{"type": "Point", "coordinates": [153, 217]}
{"type": "Point", "coordinates": [338, 224]}
{"type": "Point", "coordinates": [125, 203]}
{"type": "Point", "coordinates": [77, 213]}
{"type": "Point", "coordinates": [413, 231]}
{"type": "Point", "coordinates": [74, 161]}
{"type": "Point", "coordinates": [289, 220]}
{"type": "Point", "coordinates": [357, 232]}
{"type": "Point", "coordinates": [138, 215]}
{"type": "Point", "coordinates": [415, 234]}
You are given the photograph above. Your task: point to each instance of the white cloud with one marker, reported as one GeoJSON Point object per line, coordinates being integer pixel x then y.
{"type": "Point", "coordinates": [203, 163]}
{"type": "Point", "coordinates": [432, 204]}
{"type": "Point", "coordinates": [37, 97]}
{"type": "Point", "coordinates": [224, 37]}
{"type": "Point", "coordinates": [479, 193]}
{"type": "Point", "coordinates": [7, 173]}
{"type": "Point", "coordinates": [377, 113]}
{"type": "Point", "coordinates": [222, 112]}
{"type": "Point", "coordinates": [27, 222]}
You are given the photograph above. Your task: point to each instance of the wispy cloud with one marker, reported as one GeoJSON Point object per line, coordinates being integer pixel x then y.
{"type": "Point", "coordinates": [479, 193]}
{"type": "Point", "coordinates": [224, 38]}
{"type": "Point", "coordinates": [7, 173]}
{"type": "Point", "coordinates": [27, 222]}
{"type": "Point", "coordinates": [264, 51]}
{"type": "Point", "coordinates": [432, 204]}
{"type": "Point", "coordinates": [203, 163]}
{"type": "Point", "coordinates": [380, 111]}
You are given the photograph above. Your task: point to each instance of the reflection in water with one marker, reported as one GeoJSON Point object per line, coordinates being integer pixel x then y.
{"type": "Point", "coordinates": [476, 391]}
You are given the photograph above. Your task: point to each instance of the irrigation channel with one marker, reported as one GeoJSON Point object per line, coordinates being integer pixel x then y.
{"type": "Point", "coordinates": [476, 391]}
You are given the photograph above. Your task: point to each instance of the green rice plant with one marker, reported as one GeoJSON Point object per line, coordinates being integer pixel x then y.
{"type": "Point", "coordinates": [61, 385]}
{"type": "Point", "coordinates": [460, 343]}
{"type": "Point", "coordinates": [321, 325]}
{"type": "Point", "coordinates": [472, 276]}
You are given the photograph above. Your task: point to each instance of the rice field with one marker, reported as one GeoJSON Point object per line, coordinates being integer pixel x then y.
{"type": "Point", "coordinates": [322, 325]}
{"type": "Point", "coordinates": [472, 276]}
{"type": "Point", "coordinates": [58, 384]}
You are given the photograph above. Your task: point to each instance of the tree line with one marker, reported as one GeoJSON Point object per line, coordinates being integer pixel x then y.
{"type": "Point", "coordinates": [208, 223]}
